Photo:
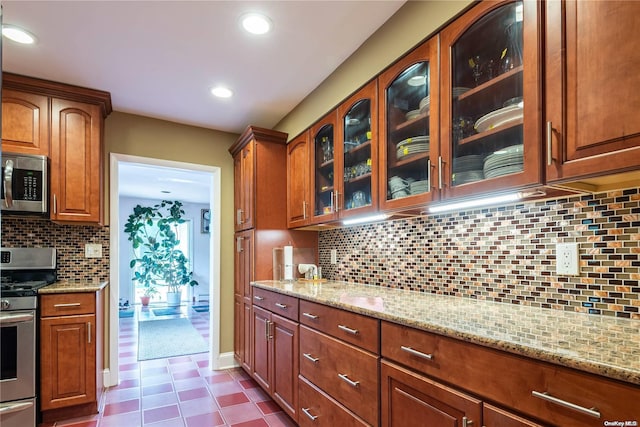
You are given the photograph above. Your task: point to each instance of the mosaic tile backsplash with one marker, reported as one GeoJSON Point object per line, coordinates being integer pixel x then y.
{"type": "Point", "coordinates": [504, 254]}
{"type": "Point", "coordinates": [69, 240]}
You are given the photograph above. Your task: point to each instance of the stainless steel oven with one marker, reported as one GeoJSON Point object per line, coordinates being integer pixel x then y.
{"type": "Point", "coordinates": [23, 272]}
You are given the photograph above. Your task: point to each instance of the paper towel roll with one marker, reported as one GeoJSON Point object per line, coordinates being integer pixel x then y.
{"type": "Point", "coordinates": [288, 262]}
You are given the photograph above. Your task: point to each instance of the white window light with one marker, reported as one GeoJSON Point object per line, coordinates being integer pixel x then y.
{"type": "Point", "coordinates": [221, 92]}
{"type": "Point", "coordinates": [255, 23]}
{"type": "Point", "coordinates": [363, 219]}
{"type": "Point", "coordinates": [17, 34]}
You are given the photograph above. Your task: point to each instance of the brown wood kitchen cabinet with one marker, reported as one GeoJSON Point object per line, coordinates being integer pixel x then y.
{"type": "Point", "coordinates": [409, 129]}
{"type": "Point", "coordinates": [591, 81]}
{"type": "Point", "coordinates": [298, 198]}
{"type": "Point", "coordinates": [25, 122]}
{"type": "Point", "coordinates": [71, 348]}
{"type": "Point", "coordinates": [275, 347]}
{"type": "Point", "coordinates": [338, 366]}
{"type": "Point", "coordinates": [65, 123]}
{"type": "Point", "coordinates": [490, 99]}
{"type": "Point", "coordinates": [260, 157]}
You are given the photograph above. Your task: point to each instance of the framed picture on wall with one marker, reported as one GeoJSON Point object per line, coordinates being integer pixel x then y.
{"type": "Point", "coordinates": [205, 220]}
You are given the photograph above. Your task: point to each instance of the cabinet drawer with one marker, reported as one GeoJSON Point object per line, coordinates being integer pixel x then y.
{"type": "Point", "coordinates": [67, 304]}
{"type": "Point", "coordinates": [512, 380]}
{"type": "Point", "coordinates": [343, 371]}
{"type": "Point", "coordinates": [283, 305]}
{"type": "Point", "coordinates": [353, 328]}
{"type": "Point", "coordinates": [317, 409]}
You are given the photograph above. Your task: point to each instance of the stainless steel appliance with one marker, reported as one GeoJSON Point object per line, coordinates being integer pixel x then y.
{"type": "Point", "coordinates": [24, 183]}
{"type": "Point", "coordinates": [23, 272]}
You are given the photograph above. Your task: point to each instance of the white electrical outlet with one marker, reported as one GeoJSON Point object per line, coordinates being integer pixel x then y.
{"type": "Point", "coordinates": [334, 256]}
{"type": "Point", "coordinates": [93, 250]}
{"type": "Point", "coordinates": [567, 259]}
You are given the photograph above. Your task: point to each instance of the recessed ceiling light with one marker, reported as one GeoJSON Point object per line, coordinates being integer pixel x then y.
{"type": "Point", "coordinates": [256, 23]}
{"type": "Point", "coordinates": [221, 92]}
{"type": "Point", "coordinates": [17, 34]}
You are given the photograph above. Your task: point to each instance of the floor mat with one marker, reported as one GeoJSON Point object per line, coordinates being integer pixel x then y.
{"type": "Point", "coordinates": [201, 308]}
{"type": "Point", "coordinates": [126, 313]}
{"type": "Point", "coordinates": [168, 338]}
{"type": "Point", "coordinates": [166, 311]}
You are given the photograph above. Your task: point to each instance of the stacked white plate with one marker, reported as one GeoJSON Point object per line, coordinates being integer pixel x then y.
{"type": "Point", "coordinates": [412, 114]}
{"type": "Point", "coordinates": [418, 187]}
{"type": "Point", "coordinates": [424, 104]}
{"type": "Point", "coordinates": [505, 161]}
{"type": "Point", "coordinates": [502, 117]}
{"type": "Point", "coordinates": [413, 145]}
{"type": "Point", "coordinates": [457, 91]}
{"type": "Point", "coordinates": [468, 169]}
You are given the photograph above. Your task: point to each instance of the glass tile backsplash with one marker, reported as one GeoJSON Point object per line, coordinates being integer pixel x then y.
{"type": "Point", "coordinates": [69, 240]}
{"type": "Point", "coordinates": [504, 254]}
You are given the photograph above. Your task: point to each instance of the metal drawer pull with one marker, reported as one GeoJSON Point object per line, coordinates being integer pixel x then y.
{"type": "Point", "coordinates": [593, 412]}
{"type": "Point", "coordinates": [282, 306]}
{"type": "Point", "coordinates": [89, 331]}
{"type": "Point", "coordinates": [349, 330]}
{"type": "Point", "coordinates": [466, 422]}
{"type": "Point", "coordinates": [549, 143]}
{"type": "Point", "coordinates": [310, 316]}
{"type": "Point", "coordinates": [16, 407]}
{"type": "Point", "coordinates": [73, 304]}
{"type": "Point", "coordinates": [416, 352]}
{"type": "Point", "coordinates": [258, 298]}
{"type": "Point", "coordinates": [308, 414]}
{"type": "Point", "coordinates": [310, 357]}
{"type": "Point", "coordinates": [346, 379]}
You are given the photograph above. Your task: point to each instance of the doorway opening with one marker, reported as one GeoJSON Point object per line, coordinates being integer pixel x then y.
{"type": "Point", "coordinates": [183, 179]}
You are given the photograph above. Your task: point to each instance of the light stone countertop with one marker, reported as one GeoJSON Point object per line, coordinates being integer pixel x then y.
{"type": "Point", "coordinates": [601, 345]}
{"type": "Point", "coordinates": [72, 286]}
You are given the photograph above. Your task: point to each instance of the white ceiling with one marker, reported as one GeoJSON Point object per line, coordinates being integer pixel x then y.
{"type": "Point", "coordinates": [160, 59]}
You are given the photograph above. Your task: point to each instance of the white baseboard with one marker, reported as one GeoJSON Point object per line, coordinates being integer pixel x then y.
{"type": "Point", "coordinates": [108, 379]}
{"type": "Point", "coordinates": [224, 361]}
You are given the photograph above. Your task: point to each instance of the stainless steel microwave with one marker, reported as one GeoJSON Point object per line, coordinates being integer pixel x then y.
{"type": "Point", "coordinates": [25, 183]}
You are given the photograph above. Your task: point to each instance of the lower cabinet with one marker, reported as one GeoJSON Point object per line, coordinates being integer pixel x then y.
{"type": "Point", "coordinates": [70, 354]}
{"type": "Point", "coordinates": [496, 417]}
{"type": "Point", "coordinates": [409, 400]}
{"type": "Point", "coordinates": [318, 409]}
{"type": "Point", "coordinates": [275, 358]}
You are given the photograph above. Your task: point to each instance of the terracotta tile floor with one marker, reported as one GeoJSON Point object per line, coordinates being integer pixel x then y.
{"type": "Point", "coordinates": [180, 391]}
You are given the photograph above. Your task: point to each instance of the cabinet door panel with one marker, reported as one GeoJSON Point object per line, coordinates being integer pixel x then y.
{"type": "Point", "coordinates": [298, 182]}
{"type": "Point", "coordinates": [76, 151]}
{"type": "Point", "coordinates": [591, 80]}
{"type": "Point", "coordinates": [25, 123]}
{"type": "Point", "coordinates": [496, 417]}
{"type": "Point", "coordinates": [261, 349]}
{"type": "Point", "coordinates": [326, 174]}
{"type": "Point", "coordinates": [248, 185]}
{"type": "Point", "coordinates": [247, 356]}
{"type": "Point", "coordinates": [285, 364]}
{"type": "Point", "coordinates": [411, 400]}
{"type": "Point", "coordinates": [68, 374]}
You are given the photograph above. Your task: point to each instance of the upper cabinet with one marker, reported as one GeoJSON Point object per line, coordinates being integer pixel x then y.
{"type": "Point", "coordinates": [409, 128]}
{"type": "Point", "coordinates": [298, 199]}
{"type": "Point", "coordinates": [260, 178]}
{"type": "Point", "coordinates": [591, 88]}
{"type": "Point", "coordinates": [65, 123]}
{"type": "Point", "coordinates": [491, 124]}
{"type": "Point", "coordinates": [323, 206]}
{"type": "Point", "coordinates": [25, 122]}
{"type": "Point", "coordinates": [358, 153]}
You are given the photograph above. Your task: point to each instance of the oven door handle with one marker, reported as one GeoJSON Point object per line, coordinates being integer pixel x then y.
{"type": "Point", "coordinates": [14, 407]}
{"type": "Point", "coordinates": [7, 182]}
{"type": "Point", "coordinates": [15, 318]}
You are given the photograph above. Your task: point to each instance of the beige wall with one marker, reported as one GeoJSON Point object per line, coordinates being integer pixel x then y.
{"type": "Point", "coordinates": [413, 23]}
{"type": "Point", "coordinates": [146, 137]}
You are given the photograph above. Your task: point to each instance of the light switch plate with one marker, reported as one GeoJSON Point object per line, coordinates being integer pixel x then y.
{"type": "Point", "coordinates": [567, 259]}
{"type": "Point", "coordinates": [93, 250]}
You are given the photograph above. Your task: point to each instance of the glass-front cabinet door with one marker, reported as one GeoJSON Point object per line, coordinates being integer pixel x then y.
{"type": "Point", "coordinates": [409, 128]}
{"type": "Point", "coordinates": [358, 150]}
{"type": "Point", "coordinates": [491, 125]}
{"type": "Point", "coordinates": [323, 159]}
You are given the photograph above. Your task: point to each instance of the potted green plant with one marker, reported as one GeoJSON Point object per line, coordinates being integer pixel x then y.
{"type": "Point", "coordinates": [157, 258]}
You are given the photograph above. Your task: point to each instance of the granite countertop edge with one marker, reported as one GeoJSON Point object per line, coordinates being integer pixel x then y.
{"type": "Point", "coordinates": [613, 371]}
{"type": "Point", "coordinates": [70, 286]}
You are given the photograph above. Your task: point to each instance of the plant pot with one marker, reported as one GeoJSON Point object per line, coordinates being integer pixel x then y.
{"type": "Point", "coordinates": [144, 300]}
{"type": "Point", "coordinates": [173, 299]}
